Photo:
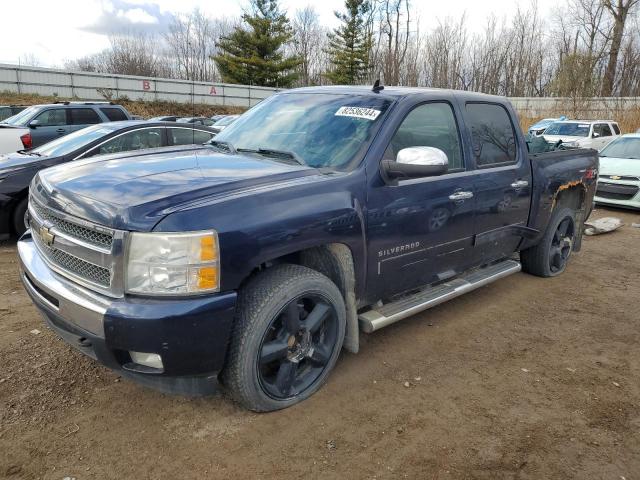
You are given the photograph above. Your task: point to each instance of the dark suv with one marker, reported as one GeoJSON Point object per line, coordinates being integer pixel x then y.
{"type": "Point", "coordinates": [48, 122]}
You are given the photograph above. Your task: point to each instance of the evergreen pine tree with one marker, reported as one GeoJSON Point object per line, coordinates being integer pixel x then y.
{"type": "Point", "coordinates": [350, 44]}
{"type": "Point", "coordinates": [253, 55]}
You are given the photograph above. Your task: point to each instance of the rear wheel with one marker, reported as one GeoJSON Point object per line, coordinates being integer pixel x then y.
{"type": "Point", "coordinates": [288, 335]}
{"type": "Point", "coordinates": [19, 217]}
{"type": "Point", "coordinates": [550, 257]}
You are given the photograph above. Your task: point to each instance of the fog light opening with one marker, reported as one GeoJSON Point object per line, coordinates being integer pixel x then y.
{"type": "Point", "coordinates": [152, 360]}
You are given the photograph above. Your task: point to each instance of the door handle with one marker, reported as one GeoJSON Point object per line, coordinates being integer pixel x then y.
{"type": "Point", "coordinates": [520, 184]}
{"type": "Point", "coordinates": [460, 196]}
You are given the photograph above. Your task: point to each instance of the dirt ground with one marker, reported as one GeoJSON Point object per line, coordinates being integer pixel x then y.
{"type": "Point", "coordinates": [527, 378]}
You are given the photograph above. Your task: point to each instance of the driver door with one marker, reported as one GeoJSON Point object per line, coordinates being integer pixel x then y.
{"type": "Point", "coordinates": [420, 230]}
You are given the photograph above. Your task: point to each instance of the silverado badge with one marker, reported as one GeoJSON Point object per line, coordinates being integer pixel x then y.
{"type": "Point", "coordinates": [46, 235]}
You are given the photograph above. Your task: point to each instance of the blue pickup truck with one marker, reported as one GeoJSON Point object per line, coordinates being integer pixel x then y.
{"type": "Point", "coordinates": [319, 215]}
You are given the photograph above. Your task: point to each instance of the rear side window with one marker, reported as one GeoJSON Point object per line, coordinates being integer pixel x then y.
{"type": "Point", "coordinates": [616, 128]}
{"type": "Point", "coordinates": [134, 140]}
{"type": "Point", "coordinates": [602, 129]}
{"type": "Point", "coordinates": [52, 117]}
{"type": "Point", "coordinates": [429, 125]}
{"type": "Point", "coordinates": [492, 133]}
{"type": "Point", "coordinates": [114, 114]}
{"type": "Point", "coordinates": [84, 116]}
{"type": "Point", "coordinates": [187, 136]}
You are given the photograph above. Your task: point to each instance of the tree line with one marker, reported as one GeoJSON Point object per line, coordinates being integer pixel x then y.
{"type": "Point", "coordinates": [584, 48]}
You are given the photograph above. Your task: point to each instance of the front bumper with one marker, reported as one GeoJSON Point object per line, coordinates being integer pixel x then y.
{"type": "Point", "coordinates": [620, 193]}
{"type": "Point", "coordinates": [190, 334]}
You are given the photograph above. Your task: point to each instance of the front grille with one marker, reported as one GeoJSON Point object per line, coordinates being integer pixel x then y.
{"type": "Point", "coordinates": [78, 231]}
{"type": "Point", "coordinates": [76, 266]}
{"type": "Point", "coordinates": [624, 178]}
{"type": "Point", "coordinates": [614, 195]}
{"type": "Point", "coordinates": [616, 191]}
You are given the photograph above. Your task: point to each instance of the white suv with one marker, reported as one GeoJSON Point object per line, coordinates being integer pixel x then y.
{"type": "Point", "coordinates": [583, 133]}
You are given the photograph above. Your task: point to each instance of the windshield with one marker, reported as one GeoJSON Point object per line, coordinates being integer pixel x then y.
{"type": "Point", "coordinates": [225, 121]}
{"type": "Point", "coordinates": [69, 143]}
{"type": "Point", "coordinates": [22, 117]}
{"type": "Point", "coordinates": [625, 147]}
{"type": "Point", "coordinates": [322, 130]}
{"type": "Point", "coordinates": [568, 129]}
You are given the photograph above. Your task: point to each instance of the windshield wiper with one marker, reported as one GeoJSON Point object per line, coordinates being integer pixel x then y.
{"type": "Point", "coordinates": [270, 152]}
{"type": "Point", "coordinates": [225, 145]}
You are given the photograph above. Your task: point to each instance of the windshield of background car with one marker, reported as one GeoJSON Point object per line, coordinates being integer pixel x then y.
{"type": "Point", "coordinates": [625, 147]}
{"type": "Point", "coordinates": [22, 117]}
{"type": "Point", "coordinates": [568, 129]}
{"type": "Point", "coordinates": [323, 130]}
{"type": "Point", "coordinates": [73, 141]}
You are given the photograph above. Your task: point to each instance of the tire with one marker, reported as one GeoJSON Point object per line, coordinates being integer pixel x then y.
{"type": "Point", "coordinates": [19, 213]}
{"type": "Point", "coordinates": [288, 333]}
{"type": "Point", "coordinates": [550, 257]}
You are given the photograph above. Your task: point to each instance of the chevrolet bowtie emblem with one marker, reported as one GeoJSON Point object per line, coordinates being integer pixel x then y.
{"type": "Point", "coordinates": [46, 235]}
{"type": "Point", "coordinates": [615, 177]}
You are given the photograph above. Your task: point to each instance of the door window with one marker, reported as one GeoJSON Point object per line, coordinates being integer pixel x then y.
{"type": "Point", "coordinates": [602, 129]}
{"type": "Point", "coordinates": [84, 116]}
{"type": "Point", "coordinates": [429, 125]}
{"type": "Point", "coordinates": [135, 140]}
{"type": "Point", "coordinates": [52, 117]}
{"type": "Point", "coordinates": [492, 133]}
{"type": "Point", "coordinates": [114, 114]}
{"type": "Point", "coordinates": [188, 136]}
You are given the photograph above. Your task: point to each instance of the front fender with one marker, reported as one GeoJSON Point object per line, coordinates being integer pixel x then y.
{"type": "Point", "coordinates": [259, 227]}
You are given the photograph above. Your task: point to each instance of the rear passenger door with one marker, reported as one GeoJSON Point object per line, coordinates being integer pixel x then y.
{"type": "Point", "coordinates": [52, 123]}
{"type": "Point", "coordinates": [502, 181]}
{"type": "Point", "coordinates": [420, 230]}
{"type": "Point", "coordinates": [82, 117]}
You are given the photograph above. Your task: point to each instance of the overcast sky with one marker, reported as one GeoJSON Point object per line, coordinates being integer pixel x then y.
{"type": "Point", "coordinates": [57, 30]}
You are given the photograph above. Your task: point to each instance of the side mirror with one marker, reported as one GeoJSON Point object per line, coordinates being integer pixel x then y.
{"type": "Point", "coordinates": [34, 123]}
{"type": "Point", "coordinates": [415, 162]}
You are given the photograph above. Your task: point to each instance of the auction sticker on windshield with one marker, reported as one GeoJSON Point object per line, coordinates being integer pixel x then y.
{"type": "Point", "coordinates": [358, 112]}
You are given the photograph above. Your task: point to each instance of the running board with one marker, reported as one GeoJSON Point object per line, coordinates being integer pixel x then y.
{"type": "Point", "coordinates": [389, 313]}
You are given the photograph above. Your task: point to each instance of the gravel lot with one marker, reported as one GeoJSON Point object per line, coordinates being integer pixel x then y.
{"type": "Point", "coordinates": [527, 378]}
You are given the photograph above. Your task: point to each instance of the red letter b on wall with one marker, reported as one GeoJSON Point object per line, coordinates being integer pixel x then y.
{"type": "Point", "coordinates": [146, 85]}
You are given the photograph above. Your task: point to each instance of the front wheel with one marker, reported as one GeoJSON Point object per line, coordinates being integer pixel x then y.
{"type": "Point", "coordinates": [288, 334]}
{"type": "Point", "coordinates": [550, 257]}
{"type": "Point", "coordinates": [20, 217]}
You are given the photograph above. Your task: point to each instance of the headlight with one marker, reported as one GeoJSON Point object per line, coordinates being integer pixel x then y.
{"type": "Point", "coordinates": [173, 263]}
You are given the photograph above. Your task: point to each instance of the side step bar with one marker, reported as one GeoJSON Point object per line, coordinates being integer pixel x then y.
{"type": "Point", "coordinates": [389, 313]}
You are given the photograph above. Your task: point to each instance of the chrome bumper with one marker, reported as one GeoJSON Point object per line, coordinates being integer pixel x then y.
{"type": "Point", "coordinates": [55, 294]}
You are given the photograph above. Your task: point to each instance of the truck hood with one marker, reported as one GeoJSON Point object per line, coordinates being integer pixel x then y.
{"type": "Point", "coordinates": [134, 193]}
{"type": "Point", "coordinates": [619, 166]}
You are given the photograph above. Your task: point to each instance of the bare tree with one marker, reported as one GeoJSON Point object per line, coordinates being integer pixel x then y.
{"type": "Point", "coordinates": [619, 10]}
{"type": "Point", "coordinates": [309, 45]}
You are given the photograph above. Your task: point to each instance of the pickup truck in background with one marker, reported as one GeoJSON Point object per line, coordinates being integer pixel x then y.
{"type": "Point", "coordinates": [13, 138]}
{"type": "Point", "coordinates": [320, 214]}
{"type": "Point", "coordinates": [582, 133]}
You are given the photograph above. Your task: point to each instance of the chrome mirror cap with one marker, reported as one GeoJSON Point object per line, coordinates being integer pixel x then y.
{"type": "Point", "coordinates": [426, 156]}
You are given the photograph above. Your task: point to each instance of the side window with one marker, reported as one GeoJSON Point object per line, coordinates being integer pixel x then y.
{"type": "Point", "coordinates": [135, 140]}
{"type": "Point", "coordinates": [188, 136]}
{"type": "Point", "coordinates": [616, 128]}
{"type": "Point", "coordinates": [52, 117]}
{"type": "Point", "coordinates": [84, 116]}
{"type": "Point", "coordinates": [493, 136]}
{"type": "Point", "coordinates": [602, 129]}
{"type": "Point", "coordinates": [114, 114]}
{"type": "Point", "coordinates": [429, 125]}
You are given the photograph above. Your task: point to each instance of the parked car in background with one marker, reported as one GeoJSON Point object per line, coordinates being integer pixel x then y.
{"type": "Point", "coordinates": [165, 118]}
{"type": "Point", "coordinates": [540, 126]}
{"type": "Point", "coordinates": [619, 179]}
{"type": "Point", "coordinates": [582, 133]}
{"type": "Point", "coordinates": [215, 118]}
{"type": "Point", "coordinates": [14, 138]}
{"type": "Point", "coordinates": [223, 123]}
{"type": "Point", "coordinates": [323, 212]}
{"type": "Point", "coordinates": [51, 121]}
{"type": "Point", "coordinates": [137, 117]}
{"type": "Point", "coordinates": [206, 121]}
{"type": "Point", "coordinates": [18, 169]}
{"type": "Point", "coordinates": [7, 111]}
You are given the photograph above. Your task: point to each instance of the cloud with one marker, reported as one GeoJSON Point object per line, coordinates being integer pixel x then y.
{"type": "Point", "coordinates": [122, 16]}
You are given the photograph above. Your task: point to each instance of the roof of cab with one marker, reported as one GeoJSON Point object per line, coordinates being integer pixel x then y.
{"type": "Point", "coordinates": [395, 92]}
